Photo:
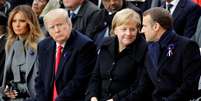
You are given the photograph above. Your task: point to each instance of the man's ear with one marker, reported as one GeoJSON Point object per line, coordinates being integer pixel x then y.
{"type": "Point", "coordinates": [156, 26]}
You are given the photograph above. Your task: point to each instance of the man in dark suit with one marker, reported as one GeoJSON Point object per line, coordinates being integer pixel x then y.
{"type": "Point", "coordinates": [3, 24]}
{"type": "Point", "coordinates": [65, 79]}
{"type": "Point", "coordinates": [81, 13]}
{"type": "Point", "coordinates": [173, 62]}
{"type": "Point", "coordinates": [104, 17]}
{"type": "Point", "coordinates": [96, 2]}
{"type": "Point", "coordinates": [20, 2]}
{"type": "Point", "coordinates": [185, 14]}
{"type": "Point", "coordinates": [142, 4]}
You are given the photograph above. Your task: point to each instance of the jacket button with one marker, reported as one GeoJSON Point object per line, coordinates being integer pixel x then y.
{"type": "Point", "coordinates": [110, 79]}
{"type": "Point", "coordinates": [113, 63]}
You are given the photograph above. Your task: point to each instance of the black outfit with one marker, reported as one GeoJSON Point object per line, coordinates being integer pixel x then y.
{"type": "Point", "coordinates": [118, 75]}
{"type": "Point", "coordinates": [185, 16]}
{"type": "Point", "coordinates": [3, 23]}
{"type": "Point", "coordinates": [176, 73]}
{"type": "Point", "coordinates": [142, 5]}
{"type": "Point", "coordinates": [95, 1]}
{"type": "Point", "coordinates": [2, 56]}
{"type": "Point", "coordinates": [76, 63]}
{"type": "Point", "coordinates": [20, 2]}
{"type": "Point", "coordinates": [104, 19]}
{"type": "Point", "coordinates": [83, 20]}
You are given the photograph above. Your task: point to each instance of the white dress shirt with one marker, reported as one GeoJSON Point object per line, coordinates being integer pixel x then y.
{"type": "Point", "coordinates": [174, 3]}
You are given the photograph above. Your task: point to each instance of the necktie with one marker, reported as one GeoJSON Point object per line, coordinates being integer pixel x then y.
{"type": "Point", "coordinates": [154, 51]}
{"type": "Point", "coordinates": [58, 57]}
{"type": "Point", "coordinates": [169, 6]}
{"type": "Point", "coordinates": [72, 15]}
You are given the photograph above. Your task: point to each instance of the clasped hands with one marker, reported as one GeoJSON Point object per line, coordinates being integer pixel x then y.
{"type": "Point", "coordinates": [95, 99]}
{"type": "Point", "coordinates": [10, 93]}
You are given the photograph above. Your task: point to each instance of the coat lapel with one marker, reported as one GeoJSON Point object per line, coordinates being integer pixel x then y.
{"type": "Point", "coordinates": [150, 68]}
{"type": "Point", "coordinates": [163, 58]}
{"type": "Point", "coordinates": [67, 51]}
{"type": "Point", "coordinates": [164, 55]}
{"type": "Point", "coordinates": [179, 9]}
{"type": "Point", "coordinates": [51, 51]}
{"type": "Point", "coordinates": [64, 59]}
{"type": "Point", "coordinates": [7, 66]}
{"type": "Point", "coordinates": [30, 60]}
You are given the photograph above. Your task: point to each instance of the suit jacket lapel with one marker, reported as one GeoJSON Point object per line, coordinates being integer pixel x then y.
{"type": "Point", "coordinates": [179, 8]}
{"type": "Point", "coordinates": [150, 68]}
{"type": "Point", "coordinates": [30, 60]}
{"type": "Point", "coordinates": [64, 59]}
{"type": "Point", "coordinates": [163, 58]}
{"type": "Point", "coordinates": [49, 53]}
{"type": "Point", "coordinates": [67, 51]}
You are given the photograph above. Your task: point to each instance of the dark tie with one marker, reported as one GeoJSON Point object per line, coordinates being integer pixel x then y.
{"type": "Point", "coordinates": [72, 16]}
{"type": "Point", "coordinates": [169, 6]}
{"type": "Point", "coordinates": [58, 57]}
{"type": "Point", "coordinates": [154, 51]}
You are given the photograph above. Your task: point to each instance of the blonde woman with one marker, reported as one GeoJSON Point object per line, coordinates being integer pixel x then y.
{"type": "Point", "coordinates": [119, 66]}
{"type": "Point", "coordinates": [21, 55]}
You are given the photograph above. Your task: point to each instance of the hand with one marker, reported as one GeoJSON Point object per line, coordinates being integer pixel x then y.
{"type": "Point", "coordinates": [94, 99]}
{"type": "Point", "coordinates": [10, 93]}
{"type": "Point", "coordinates": [110, 100]}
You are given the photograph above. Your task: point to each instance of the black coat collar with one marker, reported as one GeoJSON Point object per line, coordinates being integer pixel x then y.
{"type": "Point", "coordinates": [138, 48]}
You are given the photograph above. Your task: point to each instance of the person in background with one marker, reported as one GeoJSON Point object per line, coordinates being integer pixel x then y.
{"type": "Point", "coordinates": [102, 25]}
{"type": "Point", "coordinates": [81, 13]}
{"type": "Point", "coordinates": [142, 4]}
{"type": "Point", "coordinates": [97, 2]}
{"type": "Point", "coordinates": [15, 3]}
{"type": "Point", "coordinates": [38, 6]}
{"type": "Point", "coordinates": [185, 14]}
{"type": "Point", "coordinates": [21, 63]}
{"type": "Point", "coordinates": [3, 33]}
{"type": "Point", "coordinates": [173, 61]}
{"type": "Point", "coordinates": [42, 7]}
{"type": "Point", "coordinates": [120, 67]}
{"type": "Point", "coordinates": [5, 7]}
{"type": "Point", "coordinates": [67, 57]}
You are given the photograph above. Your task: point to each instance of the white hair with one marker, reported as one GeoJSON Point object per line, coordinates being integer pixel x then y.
{"type": "Point", "coordinates": [57, 13]}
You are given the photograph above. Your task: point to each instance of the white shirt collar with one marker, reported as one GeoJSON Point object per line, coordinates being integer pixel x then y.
{"type": "Point", "coordinates": [76, 10]}
{"type": "Point", "coordinates": [1, 36]}
{"type": "Point", "coordinates": [174, 3]}
{"type": "Point", "coordinates": [61, 44]}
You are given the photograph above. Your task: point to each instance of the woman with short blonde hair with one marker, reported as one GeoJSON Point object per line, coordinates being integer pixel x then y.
{"type": "Point", "coordinates": [119, 67]}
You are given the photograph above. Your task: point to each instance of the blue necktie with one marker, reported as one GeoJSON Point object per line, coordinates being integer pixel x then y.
{"type": "Point", "coordinates": [169, 6]}
{"type": "Point", "coordinates": [72, 15]}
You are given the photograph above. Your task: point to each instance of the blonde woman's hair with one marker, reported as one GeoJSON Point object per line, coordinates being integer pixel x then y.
{"type": "Point", "coordinates": [33, 33]}
{"type": "Point", "coordinates": [123, 17]}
